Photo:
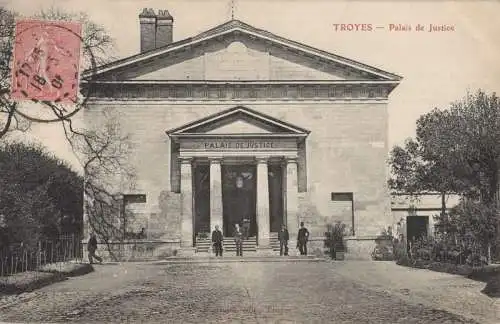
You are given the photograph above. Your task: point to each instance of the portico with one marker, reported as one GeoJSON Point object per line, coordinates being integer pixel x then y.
{"type": "Point", "coordinates": [236, 165]}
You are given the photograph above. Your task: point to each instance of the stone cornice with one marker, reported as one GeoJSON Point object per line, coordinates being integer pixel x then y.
{"type": "Point", "coordinates": [251, 91]}
{"type": "Point", "coordinates": [244, 82]}
{"type": "Point", "coordinates": [285, 102]}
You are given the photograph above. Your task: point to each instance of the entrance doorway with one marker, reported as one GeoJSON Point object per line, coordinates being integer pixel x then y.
{"type": "Point", "coordinates": [416, 227]}
{"type": "Point", "coordinates": [275, 178]}
{"type": "Point", "coordinates": [239, 196]}
{"type": "Point", "coordinates": [201, 193]}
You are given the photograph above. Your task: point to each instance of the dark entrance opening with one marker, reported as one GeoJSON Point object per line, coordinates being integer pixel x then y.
{"type": "Point", "coordinates": [275, 178]}
{"type": "Point", "coordinates": [201, 192]}
{"type": "Point", "coordinates": [239, 196]}
{"type": "Point", "coordinates": [416, 227]}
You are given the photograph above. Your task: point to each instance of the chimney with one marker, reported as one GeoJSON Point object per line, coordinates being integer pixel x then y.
{"type": "Point", "coordinates": [147, 20]}
{"type": "Point", "coordinates": [164, 26]}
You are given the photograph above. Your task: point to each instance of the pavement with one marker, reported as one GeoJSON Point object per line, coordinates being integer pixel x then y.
{"type": "Point", "coordinates": [256, 292]}
{"type": "Point", "coordinates": [452, 293]}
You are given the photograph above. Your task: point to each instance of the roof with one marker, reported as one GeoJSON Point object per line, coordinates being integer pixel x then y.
{"type": "Point", "coordinates": [237, 26]}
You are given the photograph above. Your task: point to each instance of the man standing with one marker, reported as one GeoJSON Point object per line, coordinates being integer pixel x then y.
{"type": "Point", "coordinates": [238, 239]}
{"type": "Point", "coordinates": [246, 228]}
{"type": "Point", "coordinates": [92, 247]}
{"type": "Point", "coordinates": [142, 234]}
{"type": "Point", "coordinates": [217, 239]}
{"type": "Point", "coordinates": [283, 237]}
{"type": "Point", "coordinates": [302, 239]}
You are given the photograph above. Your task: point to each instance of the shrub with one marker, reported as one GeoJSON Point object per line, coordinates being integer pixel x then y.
{"type": "Point", "coordinates": [492, 288]}
{"type": "Point", "coordinates": [382, 253]}
{"type": "Point", "coordinates": [384, 249]}
{"type": "Point", "coordinates": [404, 260]}
{"type": "Point", "coordinates": [334, 238]}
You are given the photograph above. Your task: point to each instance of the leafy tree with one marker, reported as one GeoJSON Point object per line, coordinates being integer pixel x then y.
{"type": "Point", "coordinates": [41, 196]}
{"type": "Point", "coordinates": [455, 151]}
{"type": "Point", "coordinates": [474, 222]}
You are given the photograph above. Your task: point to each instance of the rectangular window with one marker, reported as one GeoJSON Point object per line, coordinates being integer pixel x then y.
{"type": "Point", "coordinates": [134, 198]}
{"type": "Point", "coordinates": [342, 196]}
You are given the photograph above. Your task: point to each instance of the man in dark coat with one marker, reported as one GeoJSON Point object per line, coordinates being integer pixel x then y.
{"type": "Point", "coordinates": [92, 247]}
{"type": "Point", "coordinates": [217, 239]}
{"type": "Point", "coordinates": [246, 228]}
{"type": "Point", "coordinates": [283, 237]}
{"type": "Point", "coordinates": [302, 239]}
{"type": "Point", "coordinates": [238, 239]}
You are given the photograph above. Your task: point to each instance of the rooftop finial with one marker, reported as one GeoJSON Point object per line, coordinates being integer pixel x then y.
{"type": "Point", "coordinates": [232, 8]}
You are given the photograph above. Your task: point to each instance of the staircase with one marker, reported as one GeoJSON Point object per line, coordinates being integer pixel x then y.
{"type": "Point", "coordinates": [274, 242]}
{"type": "Point", "coordinates": [250, 245]}
{"type": "Point", "coordinates": [204, 245]}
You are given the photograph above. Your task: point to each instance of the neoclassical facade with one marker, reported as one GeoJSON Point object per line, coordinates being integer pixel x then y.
{"type": "Point", "coordinates": [237, 122]}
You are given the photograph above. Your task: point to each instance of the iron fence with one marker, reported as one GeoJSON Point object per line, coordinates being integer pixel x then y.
{"type": "Point", "coordinates": [19, 257]}
{"type": "Point", "coordinates": [457, 251]}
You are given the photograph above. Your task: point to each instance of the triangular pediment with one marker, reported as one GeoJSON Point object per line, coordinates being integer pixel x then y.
{"type": "Point", "coordinates": [239, 126]}
{"type": "Point", "coordinates": [237, 51]}
{"type": "Point", "coordinates": [239, 121]}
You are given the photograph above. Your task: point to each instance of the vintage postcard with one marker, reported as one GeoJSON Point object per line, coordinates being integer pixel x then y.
{"type": "Point", "coordinates": [249, 161]}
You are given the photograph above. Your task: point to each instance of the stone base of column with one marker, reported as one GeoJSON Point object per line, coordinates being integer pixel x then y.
{"type": "Point", "coordinates": [264, 242]}
{"type": "Point", "coordinates": [292, 248]}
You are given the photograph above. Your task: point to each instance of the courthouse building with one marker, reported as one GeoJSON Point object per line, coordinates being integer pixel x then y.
{"type": "Point", "coordinates": [237, 122]}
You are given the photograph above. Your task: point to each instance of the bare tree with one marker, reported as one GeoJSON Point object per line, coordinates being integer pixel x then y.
{"type": "Point", "coordinates": [102, 151]}
{"type": "Point", "coordinates": [9, 119]}
{"type": "Point", "coordinates": [97, 46]}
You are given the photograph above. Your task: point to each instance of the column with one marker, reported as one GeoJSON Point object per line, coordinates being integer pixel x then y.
{"type": "Point", "coordinates": [262, 203]}
{"type": "Point", "coordinates": [215, 194]}
{"type": "Point", "coordinates": [291, 199]}
{"type": "Point", "coordinates": [186, 203]}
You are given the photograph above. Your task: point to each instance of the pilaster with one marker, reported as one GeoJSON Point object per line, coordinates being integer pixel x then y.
{"type": "Point", "coordinates": [291, 200]}
{"type": "Point", "coordinates": [215, 194]}
{"type": "Point", "coordinates": [186, 202]}
{"type": "Point", "coordinates": [262, 202]}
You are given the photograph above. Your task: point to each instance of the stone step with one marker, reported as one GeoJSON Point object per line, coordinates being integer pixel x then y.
{"type": "Point", "coordinates": [205, 244]}
{"type": "Point", "coordinates": [203, 258]}
{"type": "Point", "coordinates": [249, 245]}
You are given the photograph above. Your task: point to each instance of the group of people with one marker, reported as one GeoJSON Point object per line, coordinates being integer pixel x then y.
{"type": "Point", "coordinates": [241, 234]}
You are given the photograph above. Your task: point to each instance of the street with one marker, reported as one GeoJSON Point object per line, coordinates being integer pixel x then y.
{"type": "Point", "coordinates": [249, 292]}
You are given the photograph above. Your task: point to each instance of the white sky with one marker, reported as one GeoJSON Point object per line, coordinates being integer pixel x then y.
{"type": "Point", "coordinates": [438, 67]}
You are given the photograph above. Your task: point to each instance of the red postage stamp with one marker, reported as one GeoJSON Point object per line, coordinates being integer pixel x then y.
{"type": "Point", "coordinates": [46, 61]}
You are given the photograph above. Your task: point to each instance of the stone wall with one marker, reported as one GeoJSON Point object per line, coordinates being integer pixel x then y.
{"type": "Point", "coordinates": [138, 250]}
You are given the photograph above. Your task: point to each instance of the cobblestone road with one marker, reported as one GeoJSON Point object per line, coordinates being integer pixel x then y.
{"type": "Point", "coordinates": [225, 292]}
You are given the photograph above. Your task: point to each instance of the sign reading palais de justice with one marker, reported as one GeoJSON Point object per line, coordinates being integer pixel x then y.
{"type": "Point", "coordinates": [239, 144]}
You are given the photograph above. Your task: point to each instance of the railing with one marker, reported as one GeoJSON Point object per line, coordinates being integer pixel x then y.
{"type": "Point", "coordinates": [457, 252]}
{"type": "Point", "coordinates": [18, 257]}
